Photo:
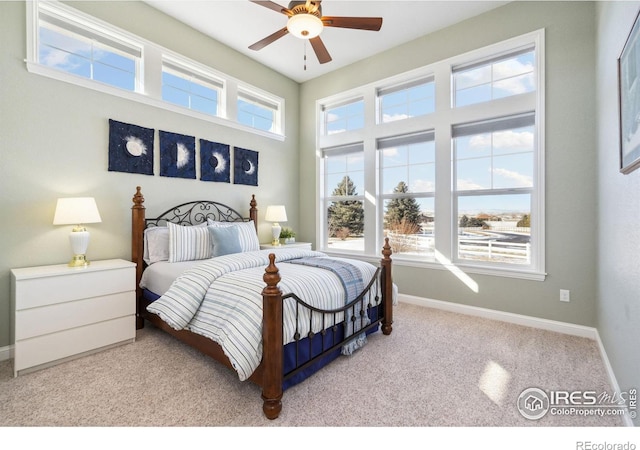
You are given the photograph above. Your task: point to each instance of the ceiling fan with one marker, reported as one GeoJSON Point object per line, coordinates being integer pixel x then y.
{"type": "Point", "coordinates": [307, 22]}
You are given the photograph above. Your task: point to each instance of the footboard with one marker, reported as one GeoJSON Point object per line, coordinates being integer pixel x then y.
{"type": "Point", "coordinates": [339, 328]}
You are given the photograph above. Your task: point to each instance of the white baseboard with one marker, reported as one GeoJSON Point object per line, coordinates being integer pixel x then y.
{"type": "Point", "coordinates": [6, 353]}
{"type": "Point", "coordinates": [612, 377]}
{"type": "Point", "coordinates": [519, 319]}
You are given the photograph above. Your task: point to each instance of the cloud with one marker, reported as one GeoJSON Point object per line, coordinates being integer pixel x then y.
{"type": "Point", "coordinates": [512, 75]}
{"type": "Point", "coordinates": [522, 140]}
{"type": "Point", "coordinates": [508, 75]}
{"type": "Point", "coordinates": [57, 58]}
{"type": "Point", "coordinates": [519, 179]}
{"type": "Point", "coordinates": [393, 117]}
{"type": "Point", "coordinates": [468, 185]}
{"type": "Point", "coordinates": [422, 186]}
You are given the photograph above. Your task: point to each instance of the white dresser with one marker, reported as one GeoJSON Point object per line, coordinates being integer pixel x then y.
{"type": "Point", "coordinates": [62, 312]}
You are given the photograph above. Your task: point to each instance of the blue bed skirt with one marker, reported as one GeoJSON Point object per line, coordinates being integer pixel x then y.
{"type": "Point", "coordinates": [298, 353]}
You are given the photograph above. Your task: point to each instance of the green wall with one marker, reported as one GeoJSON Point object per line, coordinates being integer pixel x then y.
{"type": "Point", "coordinates": [571, 191]}
{"type": "Point", "coordinates": [54, 143]}
{"type": "Point", "coordinates": [619, 212]}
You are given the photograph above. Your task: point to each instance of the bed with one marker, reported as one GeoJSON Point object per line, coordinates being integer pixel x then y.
{"type": "Point", "coordinates": [298, 325]}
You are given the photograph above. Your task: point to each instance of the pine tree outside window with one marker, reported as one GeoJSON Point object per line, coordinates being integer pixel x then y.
{"type": "Point", "coordinates": [344, 183]}
{"type": "Point", "coordinates": [407, 173]}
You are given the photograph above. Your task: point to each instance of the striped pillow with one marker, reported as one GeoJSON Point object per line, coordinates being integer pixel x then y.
{"type": "Point", "coordinates": [188, 243]}
{"type": "Point", "coordinates": [247, 234]}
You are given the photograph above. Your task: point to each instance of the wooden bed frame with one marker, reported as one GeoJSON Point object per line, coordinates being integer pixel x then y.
{"type": "Point", "coordinates": [269, 374]}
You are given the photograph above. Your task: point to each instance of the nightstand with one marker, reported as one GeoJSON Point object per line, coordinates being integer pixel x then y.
{"type": "Point", "coordinates": [62, 312]}
{"type": "Point", "coordinates": [305, 245]}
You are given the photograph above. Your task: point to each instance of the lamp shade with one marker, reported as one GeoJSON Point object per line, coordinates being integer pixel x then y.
{"type": "Point", "coordinates": [276, 213]}
{"type": "Point", "coordinates": [75, 211]}
{"type": "Point", "coordinates": [304, 26]}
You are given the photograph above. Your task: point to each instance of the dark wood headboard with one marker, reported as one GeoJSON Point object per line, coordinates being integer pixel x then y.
{"type": "Point", "coordinates": [190, 213]}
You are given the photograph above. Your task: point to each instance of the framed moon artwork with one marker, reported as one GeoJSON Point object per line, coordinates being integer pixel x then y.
{"type": "Point", "coordinates": [130, 148]}
{"type": "Point", "coordinates": [245, 166]}
{"type": "Point", "coordinates": [177, 155]}
{"type": "Point", "coordinates": [215, 163]}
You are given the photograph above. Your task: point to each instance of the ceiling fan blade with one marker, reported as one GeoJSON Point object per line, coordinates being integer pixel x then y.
{"type": "Point", "coordinates": [359, 23]}
{"type": "Point", "coordinates": [320, 49]}
{"type": "Point", "coordinates": [269, 39]}
{"type": "Point", "coordinates": [274, 6]}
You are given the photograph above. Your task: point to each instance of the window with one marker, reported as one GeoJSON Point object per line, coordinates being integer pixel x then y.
{"type": "Point", "coordinates": [257, 112]}
{"type": "Point", "coordinates": [344, 117]}
{"type": "Point", "coordinates": [185, 87]}
{"type": "Point", "coordinates": [66, 44]}
{"type": "Point", "coordinates": [494, 165]}
{"type": "Point", "coordinates": [344, 197]}
{"type": "Point", "coordinates": [416, 98]}
{"type": "Point", "coordinates": [407, 173]}
{"type": "Point", "coordinates": [479, 171]}
{"type": "Point", "coordinates": [503, 76]}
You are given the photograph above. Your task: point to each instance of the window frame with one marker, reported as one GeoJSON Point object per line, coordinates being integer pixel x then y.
{"type": "Point", "coordinates": [254, 96]}
{"type": "Point", "coordinates": [326, 108]}
{"type": "Point", "coordinates": [441, 122]}
{"type": "Point", "coordinates": [327, 197]}
{"type": "Point", "coordinates": [200, 75]}
{"type": "Point", "coordinates": [149, 85]}
{"type": "Point", "coordinates": [404, 85]}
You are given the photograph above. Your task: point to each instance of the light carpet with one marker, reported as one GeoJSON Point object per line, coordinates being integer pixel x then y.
{"type": "Point", "coordinates": [437, 369]}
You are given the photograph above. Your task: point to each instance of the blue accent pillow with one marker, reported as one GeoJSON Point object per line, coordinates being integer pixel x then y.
{"type": "Point", "coordinates": [225, 240]}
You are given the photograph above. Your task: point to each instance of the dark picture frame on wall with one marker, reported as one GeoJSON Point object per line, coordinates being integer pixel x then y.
{"type": "Point", "coordinates": [629, 100]}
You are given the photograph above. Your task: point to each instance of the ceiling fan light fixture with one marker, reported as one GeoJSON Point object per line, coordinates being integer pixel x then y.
{"type": "Point", "coordinates": [305, 26]}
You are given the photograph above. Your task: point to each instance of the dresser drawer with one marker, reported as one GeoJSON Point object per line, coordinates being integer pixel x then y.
{"type": "Point", "coordinates": [48, 290]}
{"type": "Point", "coordinates": [52, 347]}
{"type": "Point", "coordinates": [49, 319]}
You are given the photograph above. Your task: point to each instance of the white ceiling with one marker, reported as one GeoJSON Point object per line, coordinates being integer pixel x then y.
{"type": "Point", "coordinates": [240, 23]}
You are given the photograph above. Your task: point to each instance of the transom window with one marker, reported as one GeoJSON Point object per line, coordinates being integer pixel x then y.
{"type": "Point", "coordinates": [66, 44]}
{"type": "Point", "coordinates": [406, 100]}
{"type": "Point", "coordinates": [257, 112]}
{"type": "Point", "coordinates": [503, 76]}
{"type": "Point", "coordinates": [186, 88]}
{"type": "Point", "coordinates": [346, 116]}
{"type": "Point", "coordinates": [479, 171]}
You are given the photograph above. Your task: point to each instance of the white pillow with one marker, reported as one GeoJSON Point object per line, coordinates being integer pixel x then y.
{"type": "Point", "coordinates": [156, 244]}
{"type": "Point", "coordinates": [247, 232]}
{"type": "Point", "coordinates": [188, 243]}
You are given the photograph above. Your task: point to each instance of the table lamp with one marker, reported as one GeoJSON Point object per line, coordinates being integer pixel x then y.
{"type": "Point", "coordinates": [77, 211]}
{"type": "Point", "coordinates": [275, 214]}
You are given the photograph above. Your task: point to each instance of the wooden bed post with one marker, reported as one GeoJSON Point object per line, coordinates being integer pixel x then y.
{"type": "Point", "coordinates": [137, 247]}
{"type": "Point", "coordinates": [272, 342]}
{"type": "Point", "coordinates": [387, 288]}
{"type": "Point", "coordinates": [253, 211]}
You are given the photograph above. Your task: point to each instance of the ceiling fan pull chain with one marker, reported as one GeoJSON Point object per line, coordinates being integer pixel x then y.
{"type": "Point", "coordinates": [305, 55]}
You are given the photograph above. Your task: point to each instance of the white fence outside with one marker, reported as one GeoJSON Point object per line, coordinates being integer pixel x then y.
{"type": "Point", "coordinates": [492, 250]}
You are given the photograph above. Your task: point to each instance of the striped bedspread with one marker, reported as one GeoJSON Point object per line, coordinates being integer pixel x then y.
{"type": "Point", "coordinates": [222, 300]}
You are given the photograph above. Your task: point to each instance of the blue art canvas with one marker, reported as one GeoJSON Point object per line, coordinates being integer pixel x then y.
{"type": "Point", "coordinates": [130, 148]}
{"type": "Point", "coordinates": [245, 166]}
{"type": "Point", "coordinates": [215, 162]}
{"type": "Point", "coordinates": [177, 155]}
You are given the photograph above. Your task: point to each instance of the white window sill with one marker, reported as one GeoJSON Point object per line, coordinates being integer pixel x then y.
{"type": "Point", "coordinates": [398, 261]}
{"type": "Point", "coordinates": [39, 69]}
